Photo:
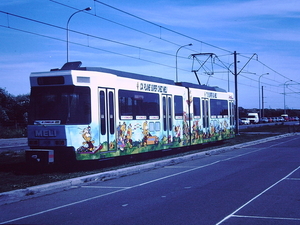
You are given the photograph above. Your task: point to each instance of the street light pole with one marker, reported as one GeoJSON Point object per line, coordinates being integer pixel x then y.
{"type": "Point", "coordinates": [259, 100]}
{"type": "Point", "coordinates": [235, 73]}
{"type": "Point", "coordinates": [86, 9]}
{"type": "Point", "coordinates": [284, 95]}
{"type": "Point", "coordinates": [176, 59]}
{"type": "Point", "coordinates": [262, 103]}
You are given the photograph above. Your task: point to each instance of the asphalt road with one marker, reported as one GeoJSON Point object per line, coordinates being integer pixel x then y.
{"type": "Point", "coordinates": [258, 184]}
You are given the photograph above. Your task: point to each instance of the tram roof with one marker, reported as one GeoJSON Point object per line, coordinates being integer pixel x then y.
{"type": "Point", "coordinates": [77, 66]}
{"type": "Point", "coordinates": [151, 78]}
{"type": "Point", "coordinates": [129, 75]}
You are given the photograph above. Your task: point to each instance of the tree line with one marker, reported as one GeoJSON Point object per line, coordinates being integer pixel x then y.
{"type": "Point", "coordinates": [13, 114]}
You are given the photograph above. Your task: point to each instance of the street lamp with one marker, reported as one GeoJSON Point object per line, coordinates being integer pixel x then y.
{"type": "Point", "coordinates": [284, 95]}
{"type": "Point", "coordinates": [86, 9]}
{"type": "Point", "coordinates": [259, 105]}
{"type": "Point", "coordinates": [176, 59]}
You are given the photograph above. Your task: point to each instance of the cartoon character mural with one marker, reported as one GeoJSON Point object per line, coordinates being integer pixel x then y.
{"type": "Point", "coordinates": [145, 133]}
{"type": "Point", "coordinates": [177, 133]}
{"type": "Point", "coordinates": [186, 128]}
{"type": "Point", "coordinates": [196, 131]}
{"type": "Point", "coordinates": [88, 144]}
{"type": "Point", "coordinates": [148, 139]}
{"type": "Point", "coordinates": [124, 133]}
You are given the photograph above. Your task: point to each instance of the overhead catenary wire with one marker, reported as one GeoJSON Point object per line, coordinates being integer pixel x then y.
{"type": "Point", "coordinates": [147, 21]}
{"type": "Point", "coordinates": [124, 55]}
{"type": "Point", "coordinates": [89, 35]}
{"type": "Point", "coordinates": [122, 25]}
{"type": "Point", "coordinates": [162, 27]}
{"type": "Point", "coordinates": [62, 40]}
{"type": "Point", "coordinates": [58, 39]}
{"type": "Point", "coordinates": [86, 34]}
{"type": "Point", "coordinates": [133, 46]}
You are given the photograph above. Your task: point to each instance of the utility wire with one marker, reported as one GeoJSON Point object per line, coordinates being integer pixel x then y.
{"type": "Point", "coordinates": [58, 39]}
{"type": "Point", "coordinates": [120, 24]}
{"type": "Point", "coordinates": [89, 35]}
{"type": "Point", "coordinates": [161, 27]}
{"type": "Point", "coordinates": [81, 33]}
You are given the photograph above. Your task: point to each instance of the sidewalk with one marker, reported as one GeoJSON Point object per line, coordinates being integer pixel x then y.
{"type": "Point", "coordinates": [12, 142]}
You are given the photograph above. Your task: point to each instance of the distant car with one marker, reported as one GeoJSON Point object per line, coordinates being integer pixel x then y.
{"type": "Point", "coordinates": [280, 119]}
{"type": "Point", "coordinates": [245, 121]}
{"type": "Point", "coordinates": [285, 117]}
{"type": "Point", "coordinates": [264, 120]}
{"type": "Point", "coordinates": [270, 119]}
{"type": "Point", "coordinates": [253, 117]}
{"type": "Point", "coordinates": [240, 122]}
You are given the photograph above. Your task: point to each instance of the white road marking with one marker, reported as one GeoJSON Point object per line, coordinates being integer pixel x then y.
{"type": "Point", "coordinates": [257, 196]}
{"type": "Point", "coordinates": [109, 193]}
{"type": "Point", "coordinates": [152, 181]}
{"type": "Point", "coordinates": [291, 178]}
{"type": "Point", "coordinates": [104, 187]}
{"type": "Point", "coordinates": [179, 167]}
{"type": "Point", "coordinates": [267, 217]}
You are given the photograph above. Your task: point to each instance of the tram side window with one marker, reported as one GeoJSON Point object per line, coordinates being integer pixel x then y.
{"type": "Point", "coordinates": [219, 108]}
{"type": "Point", "coordinates": [138, 105]}
{"type": "Point", "coordinates": [196, 107]}
{"type": "Point", "coordinates": [178, 106]}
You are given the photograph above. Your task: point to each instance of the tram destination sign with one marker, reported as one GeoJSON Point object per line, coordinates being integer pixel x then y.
{"type": "Point", "coordinates": [211, 95]}
{"type": "Point", "coordinates": [152, 87]}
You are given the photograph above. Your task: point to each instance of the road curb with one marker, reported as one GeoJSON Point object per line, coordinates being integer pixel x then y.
{"type": "Point", "coordinates": [35, 191]}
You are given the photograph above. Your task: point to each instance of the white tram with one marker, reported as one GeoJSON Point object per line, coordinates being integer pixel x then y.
{"type": "Point", "coordinates": [89, 113]}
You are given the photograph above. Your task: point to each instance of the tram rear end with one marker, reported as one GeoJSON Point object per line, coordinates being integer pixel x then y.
{"type": "Point", "coordinates": [57, 107]}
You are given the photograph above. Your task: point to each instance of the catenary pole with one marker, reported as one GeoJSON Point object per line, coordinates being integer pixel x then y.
{"type": "Point", "coordinates": [236, 94]}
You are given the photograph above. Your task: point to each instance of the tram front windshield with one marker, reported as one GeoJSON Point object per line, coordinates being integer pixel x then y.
{"type": "Point", "coordinates": [66, 104]}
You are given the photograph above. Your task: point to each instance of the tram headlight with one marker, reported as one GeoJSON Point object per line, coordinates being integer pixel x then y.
{"type": "Point", "coordinates": [46, 142]}
{"type": "Point", "coordinates": [33, 142]}
{"type": "Point", "coordinates": [60, 142]}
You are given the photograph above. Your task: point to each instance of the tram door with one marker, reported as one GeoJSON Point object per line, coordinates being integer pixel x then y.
{"type": "Point", "coordinates": [107, 118]}
{"type": "Point", "coordinates": [205, 115]}
{"type": "Point", "coordinates": [167, 115]}
{"type": "Point", "coordinates": [231, 108]}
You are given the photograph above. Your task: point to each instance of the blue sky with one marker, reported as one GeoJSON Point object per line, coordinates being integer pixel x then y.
{"type": "Point", "coordinates": [110, 38]}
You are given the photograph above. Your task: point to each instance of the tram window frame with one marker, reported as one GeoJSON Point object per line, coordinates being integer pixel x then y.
{"type": "Point", "coordinates": [178, 107]}
{"type": "Point", "coordinates": [71, 105]}
{"type": "Point", "coordinates": [137, 105]}
{"type": "Point", "coordinates": [111, 112]}
{"type": "Point", "coordinates": [219, 108]}
{"type": "Point", "coordinates": [197, 107]}
{"type": "Point", "coordinates": [102, 110]}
